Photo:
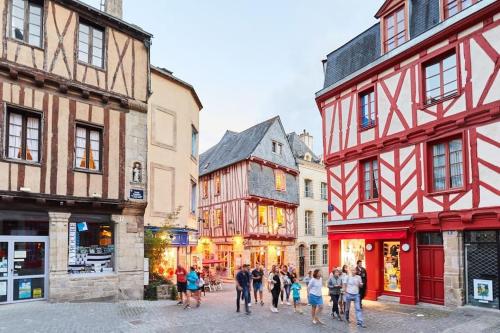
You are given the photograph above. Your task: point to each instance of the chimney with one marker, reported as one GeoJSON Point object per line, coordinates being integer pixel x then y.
{"type": "Point", "coordinates": [114, 7]}
{"type": "Point", "coordinates": [307, 139]}
{"type": "Point", "coordinates": [324, 62]}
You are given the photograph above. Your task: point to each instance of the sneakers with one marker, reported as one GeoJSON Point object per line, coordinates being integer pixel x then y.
{"type": "Point", "coordinates": [261, 303]}
{"type": "Point", "coordinates": [361, 325]}
{"type": "Point", "coordinates": [179, 303]}
{"type": "Point", "coordinates": [276, 310]}
{"type": "Point", "coordinates": [249, 304]}
{"type": "Point", "coordinates": [282, 303]}
{"type": "Point", "coordinates": [288, 303]}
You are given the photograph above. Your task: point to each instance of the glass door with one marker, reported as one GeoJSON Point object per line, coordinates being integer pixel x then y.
{"type": "Point", "coordinates": [23, 268]}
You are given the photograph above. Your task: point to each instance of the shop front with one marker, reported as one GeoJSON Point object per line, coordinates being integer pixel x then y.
{"type": "Point", "coordinates": [386, 249]}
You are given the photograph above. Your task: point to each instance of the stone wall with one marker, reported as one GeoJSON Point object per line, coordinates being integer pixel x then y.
{"type": "Point", "coordinates": [125, 283]}
{"type": "Point", "coordinates": [453, 268]}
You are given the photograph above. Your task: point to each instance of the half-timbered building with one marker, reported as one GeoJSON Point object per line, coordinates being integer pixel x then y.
{"type": "Point", "coordinates": [74, 85]}
{"type": "Point", "coordinates": [411, 135]}
{"type": "Point", "coordinates": [248, 199]}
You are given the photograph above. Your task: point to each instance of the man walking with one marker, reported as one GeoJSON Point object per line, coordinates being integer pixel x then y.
{"type": "Point", "coordinates": [181, 274]}
{"type": "Point", "coordinates": [243, 288]}
{"type": "Point", "coordinates": [351, 286]}
{"type": "Point", "coordinates": [258, 283]}
{"type": "Point", "coordinates": [361, 271]}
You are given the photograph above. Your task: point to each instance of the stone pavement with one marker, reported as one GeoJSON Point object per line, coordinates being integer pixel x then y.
{"type": "Point", "coordinates": [217, 314]}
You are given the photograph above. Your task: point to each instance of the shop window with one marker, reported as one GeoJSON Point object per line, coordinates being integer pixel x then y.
{"type": "Point", "coordinates": [392, 275]}
{"type": "Point", "coordinates": [23, 135]}
{"type": "Point", "coordinates": [26, 21]}
{"type": "Point", "coordinates": [277, 148]}
{"type": "Point", "coordinates": [325, 254]}
{"type": "Point", "coordinates": [280, 216]}
{"type": "Point", "coordinates": [308, 222]}
{"type": "Point", "coordinates": [324, 221]}
{"type": "Point", "coordinates": [91, 44]}
{"type": "Point", "coordinates": [88, 148]}
{"type": "Point", "coordinates": [308, 188]}
{"type": "Point", "coordinates": [312, 255]}
{"type": "Point", "coordinates": [91, 247]}
{"type": "Point", "coordinates": [452, 7]}
{"type": "Point", "coordinates": [205, 188]}
{"type": "Point", "coordinates": [370, 181]}
{"type": "Point", "coordinates": [324, 191]}
{"type": "Point", "coordinates": [218, 217]}
{"type": "Point", "coordinates": [262, 215]}
{"type": "Point", "coordinates": [441, 78]}
{"type": "Point", "coordinates": [206, 218]}
{"type": "Point", "coordinates": [447, 165]}
{"type": "Point", "coordinates": [217, 185]}
{"type": "Point", "coordinates": [280, 180]}
{"type": "Point", "coordinates": [352, 250]}
{"type": "Point", "coordinates": [367, 109]}
{"type": "Point", "coordinates": [395, 29]}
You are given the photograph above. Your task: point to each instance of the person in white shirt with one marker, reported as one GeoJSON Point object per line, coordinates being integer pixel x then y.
{"type": "Point", "coordinates": [314, 290]}
{"type": "Point", "coordinates": [351, 291]}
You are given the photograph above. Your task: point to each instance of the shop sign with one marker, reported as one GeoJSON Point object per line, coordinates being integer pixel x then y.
{"type": "Point", "coordinates": [193, 239]}
{"type": "Point", "coordinates": [24, 288]}
{"type": "Point", "coordinates": [181, 239]}
{"type": "Point", "coordinates": [37, 293]}
{"type": "Point", "coordinates": [137, 194]}
{"type": "Point", "coordinates": [483, 290]}
{"type": "Point", "coordinates": [72, 244]}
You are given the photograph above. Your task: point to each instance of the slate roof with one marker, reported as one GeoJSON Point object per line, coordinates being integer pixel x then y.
{"type": "Point", "coordinates": [233, 147]}
{"type": "Point", "coordinates": [366, 48]}
{"type": "Point", "coordinates": [299, 148]}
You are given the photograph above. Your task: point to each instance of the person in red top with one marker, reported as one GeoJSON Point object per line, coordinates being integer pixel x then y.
{"type": "Point", "coordinates": [181, 282]}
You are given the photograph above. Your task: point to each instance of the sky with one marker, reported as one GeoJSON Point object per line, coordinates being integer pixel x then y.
{"type": "Point", "coordinates": [250, 60]}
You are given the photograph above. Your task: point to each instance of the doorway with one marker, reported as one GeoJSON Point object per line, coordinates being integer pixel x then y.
{"type": "Point", "coordinates": [23, 268]}
{"type": "Point", "coordinates": [392, 267]}
{"type": "Point", "coordinates": [302, 261]}
{"type": "Point", "coordinates": [431, 268]}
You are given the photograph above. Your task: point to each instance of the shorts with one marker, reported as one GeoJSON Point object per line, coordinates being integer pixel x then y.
{"type": "Point", "coordinates": [181, 287]}
{"type": "Point", "coordinates": [296, 300]}
{"type": "Point", "coordinates": [315, 300]}
{"type": "Point", "coordinates": [257, 286]}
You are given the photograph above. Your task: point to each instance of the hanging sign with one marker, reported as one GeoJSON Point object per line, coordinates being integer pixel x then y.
{"type": "Point", "coordinates": [331, 208]}
{"type": "Point", "coordinates": [72, 244]}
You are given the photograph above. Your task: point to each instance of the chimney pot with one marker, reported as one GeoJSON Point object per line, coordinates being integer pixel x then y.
{"type": "Point", "coordinates": [114, 7]}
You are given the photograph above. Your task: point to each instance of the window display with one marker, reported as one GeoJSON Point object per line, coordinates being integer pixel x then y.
{"type": "Point", "coordinates": [392, 276]}
{"type": "Point", "coordinates": [352, 251]}
{"type": "Point", "coordinates": [91, 247]}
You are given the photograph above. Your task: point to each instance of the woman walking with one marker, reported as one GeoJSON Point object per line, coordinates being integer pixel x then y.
{"type": "Point", "coordinates": [287, 284]}
{"type": "Point", "coordinates": [275, 287]}
{"type": "Point", "coordinates": [335, 286]}
{"type": "Point", "coordinates": [316, 296]}
{"type": "Point", "coordinates": [192, 288]}
{"type": "Point", "coordinates": [343, 276]}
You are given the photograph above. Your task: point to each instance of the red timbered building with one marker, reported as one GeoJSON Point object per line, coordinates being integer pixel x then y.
{"type": "Point", "coordinates": [411, 135]}
{"type": "Point", "coordinates": [248, 199]}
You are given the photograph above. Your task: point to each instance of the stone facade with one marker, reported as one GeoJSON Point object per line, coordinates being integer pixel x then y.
{"type": "Point", "coordinates": [453, 268]}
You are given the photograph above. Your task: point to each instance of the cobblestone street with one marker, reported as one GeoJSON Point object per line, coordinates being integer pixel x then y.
{"type": "Point", "coordinates": [217, 314]}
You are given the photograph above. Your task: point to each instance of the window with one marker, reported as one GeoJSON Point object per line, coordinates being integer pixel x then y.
{"type": "Point", "coordinates": [23, 135]}
{"type": "Point", "coordinates": [91, 45]}
{"type": "Point", "coordinates": [26, 21]}
{"type": "Point", "coordinates": [280, 216]}
{"type": "Point", "coordinates": [325, 254]}
{"type": "Point", "coordinates": [308, 222]}
{"type": "Point", "coordinates": [194, 142]}
{"type": "Point", "coordinates": [324, 221]}
{"type": "Point", "coordinates": [217, 185]}
{"type": "Point", "coordinates": [395, 29]}
{"type": "Point", "coordinates": [447, 165]}
{"type": "Point", "coordinates": [441, 78]}
{"type": "Point", "coordinates": [91, 247]}
{"type": "Point", "coordinates": [277, 147]}
{"type": "Point", "coordinates": [367, 109]}
{"type": "Point", "coordinates": [205, 188]}
{"type": "Point", "coordinates": [262, 215]}
{"type": "Point", "coordinates": [218, 217]}
{"type": "Point", "coordinates": [324, 191]}
{"type": "Point", "coordinates": [370, 179]}
{"type": "Point", "coordinates": [308, 188]}
{"type": "Point", "coordinates": [193, 197]}
{"type": "Point", "coordinates": [312, 255]}
{"type": "Point", "coordinates": [280, 179]}
{"type": "Point", "coordinates": [88, 148]}
{"type": "Point", "coordinates": [206, 218]}
{"type": "Point", "coordinates": [452, 7]}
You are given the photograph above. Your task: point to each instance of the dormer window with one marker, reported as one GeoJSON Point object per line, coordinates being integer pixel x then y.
{"type": "Point", "coordinates": [395, 29]}
{"type": "Point", "coordinates": [452, 7]}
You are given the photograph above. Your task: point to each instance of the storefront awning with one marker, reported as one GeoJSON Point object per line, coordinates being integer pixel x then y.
{"type": "Point", "coordinates": [209, 262]}
{"type": "Point", "coordinates": [369, 235]}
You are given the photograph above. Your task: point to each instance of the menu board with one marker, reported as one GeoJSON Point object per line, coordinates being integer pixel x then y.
{"type": "Point", "coordinates": [72, 244]}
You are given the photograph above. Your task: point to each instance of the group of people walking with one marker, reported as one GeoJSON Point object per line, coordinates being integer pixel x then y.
{"type": "Point", "coordinates": [345, 286]}
{"type": "Point", "coordinates": [189, 285]}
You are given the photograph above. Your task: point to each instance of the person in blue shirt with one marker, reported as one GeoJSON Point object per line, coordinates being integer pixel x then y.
{"type": "Point", "coordinates": [243, 288]}
{"type": "Point", "coordinates": [295, 288]}
{"type": "Point", "coordinates": [192, 288]}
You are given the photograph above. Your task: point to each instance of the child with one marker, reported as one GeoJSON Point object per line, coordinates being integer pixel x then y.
{"type": "Point", "coordinates": [296, 295]}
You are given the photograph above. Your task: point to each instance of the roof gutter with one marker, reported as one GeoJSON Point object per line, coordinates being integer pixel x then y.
{"type": "Point", "coordinates": [421, 40]}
